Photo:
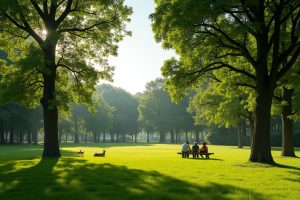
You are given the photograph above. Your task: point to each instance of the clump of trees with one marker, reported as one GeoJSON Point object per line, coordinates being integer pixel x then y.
{"type": "Point", "coordinates": [51, 41]}
{"type": "Point", "coordinates": [246, 44]}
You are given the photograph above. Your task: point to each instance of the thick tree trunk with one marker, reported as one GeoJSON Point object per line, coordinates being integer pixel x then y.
{"type": "Point", "coordinates": [261, 147]}
{"type": "Point", "coordinates": [240, 141]}
{"type": "Point", "coordinates": [11, 138]}
{"type": "Point", "coordinates": [162, 138]}
{"type": "Point", "coordinates": [51, 146]}
{"type": "Point", "coordinates": [287, 124]}
{"type": "Point", "coordinates": [6, 135]}
{"type": "Point", "coordinates": [104, 136]}
{"type": "Point", "coordinates": [2, 131]}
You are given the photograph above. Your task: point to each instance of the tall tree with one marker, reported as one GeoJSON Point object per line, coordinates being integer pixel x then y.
{"type": "Point", "coordinates": [52, 40]}
{"type": "Point", "coordinates": [215, 36]}
{"type": "Point", "coordinates": [125, 115]}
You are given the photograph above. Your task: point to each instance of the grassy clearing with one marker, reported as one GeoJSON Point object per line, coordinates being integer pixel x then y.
{"type": "Point", "coordinates": [144, 171]}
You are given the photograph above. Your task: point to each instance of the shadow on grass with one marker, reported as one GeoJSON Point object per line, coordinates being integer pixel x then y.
{"type": "Point", "coordinates": [70, 178]}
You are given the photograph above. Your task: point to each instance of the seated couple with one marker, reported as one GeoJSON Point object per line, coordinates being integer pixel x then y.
{"type": "Point", "coordinates": [195, 148]}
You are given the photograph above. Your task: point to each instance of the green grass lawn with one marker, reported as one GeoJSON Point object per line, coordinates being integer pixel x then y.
{"type": "Point", "coordinates": [144, 171]}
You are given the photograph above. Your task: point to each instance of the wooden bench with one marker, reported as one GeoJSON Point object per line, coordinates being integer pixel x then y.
{"type": "Point", "coordinates": [195, 153]}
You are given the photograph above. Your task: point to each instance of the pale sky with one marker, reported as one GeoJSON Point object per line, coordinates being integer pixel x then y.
{"type": "Point", "coordinates": [139, 57]}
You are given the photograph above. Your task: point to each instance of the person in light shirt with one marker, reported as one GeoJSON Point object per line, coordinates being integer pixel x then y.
{"type": "Point", "coordinates": [186, 148]}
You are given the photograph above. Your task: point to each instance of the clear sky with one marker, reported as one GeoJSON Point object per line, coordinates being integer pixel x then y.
{"type": "Point", "coordinates": [139, 57]}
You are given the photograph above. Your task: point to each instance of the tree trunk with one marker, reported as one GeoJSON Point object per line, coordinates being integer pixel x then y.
{"type": "Point", "coordinates": [104, 136]}
{"type": "Point", "coordinates": [261, 147]}
{"type": "Point", "coordinates": [172, 136]}
{"type": "Point", "coordinates": [287, 124]}
{"type": "Point", "coordinates": [76, 131]}
{"type": "Point", "coordinates": [85, 138]}
{"type": "Point", "coordinates": [240, 141]}
{"type": "Point", "coordinates": [148, 134]}
{"type": "Point", "coordinates": [2, 131]}
{"type": "Point", "coordinates": [95, 136]}
{"type": "Point", "coordinates": [11, 138]}
{"type": "Point", "coordinates": [112, 137]}
{"type": "Point", "coordinates": [176, 135]}
{"type": "Point", "coordinates": [186, 138]}
{"type": "Point", "coordinates": [51, 145]}
{"type": "Point", "coordinates": [162, 137]}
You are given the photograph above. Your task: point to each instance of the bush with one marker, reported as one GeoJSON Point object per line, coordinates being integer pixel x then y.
{"type": "Point", "coordinates": [276, 138]}
{"type": "Point", "coordinates": [232, 139]}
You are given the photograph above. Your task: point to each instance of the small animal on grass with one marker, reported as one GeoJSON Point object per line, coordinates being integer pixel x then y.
{"type": "Point", "coordinates": [100, 154]}
{"type": "Point", "coordinates": [81, 153]}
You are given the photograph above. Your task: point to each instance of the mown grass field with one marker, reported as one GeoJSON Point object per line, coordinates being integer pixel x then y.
{"type": "Point", "coordinates": [144, 171]}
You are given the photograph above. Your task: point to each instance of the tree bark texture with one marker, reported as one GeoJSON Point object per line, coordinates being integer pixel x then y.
{"type": "Point", "coordinates": [261, 145]}
{"type": "Point", "coordinates": [240, 141]}
{"type": "Point", "coordinates": [51, 145]}
{"type": "Point", "coordinates": [287, 124]}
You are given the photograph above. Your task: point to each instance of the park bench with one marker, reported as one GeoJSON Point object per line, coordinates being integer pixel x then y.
{"type": "Point", "coordinates": [195, 153]}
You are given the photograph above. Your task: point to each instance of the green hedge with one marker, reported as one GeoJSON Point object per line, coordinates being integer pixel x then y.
{"type": "Point", "coordinates": [232, 139]}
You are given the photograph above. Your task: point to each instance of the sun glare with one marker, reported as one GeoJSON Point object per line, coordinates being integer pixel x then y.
{"type": "Point", "coordinates": [44, 32]}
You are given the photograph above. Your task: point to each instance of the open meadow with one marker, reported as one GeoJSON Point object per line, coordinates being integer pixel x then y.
{"type": "Point", "coordinates": [144, 171]}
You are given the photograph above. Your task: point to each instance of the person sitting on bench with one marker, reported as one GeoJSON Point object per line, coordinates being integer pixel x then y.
{"type": "Point", "coordinates": [186, 148]}
{"type": "Point", "coordinates": [203, 149]}
{"type": "Point", "coordinates": [195, 148]}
